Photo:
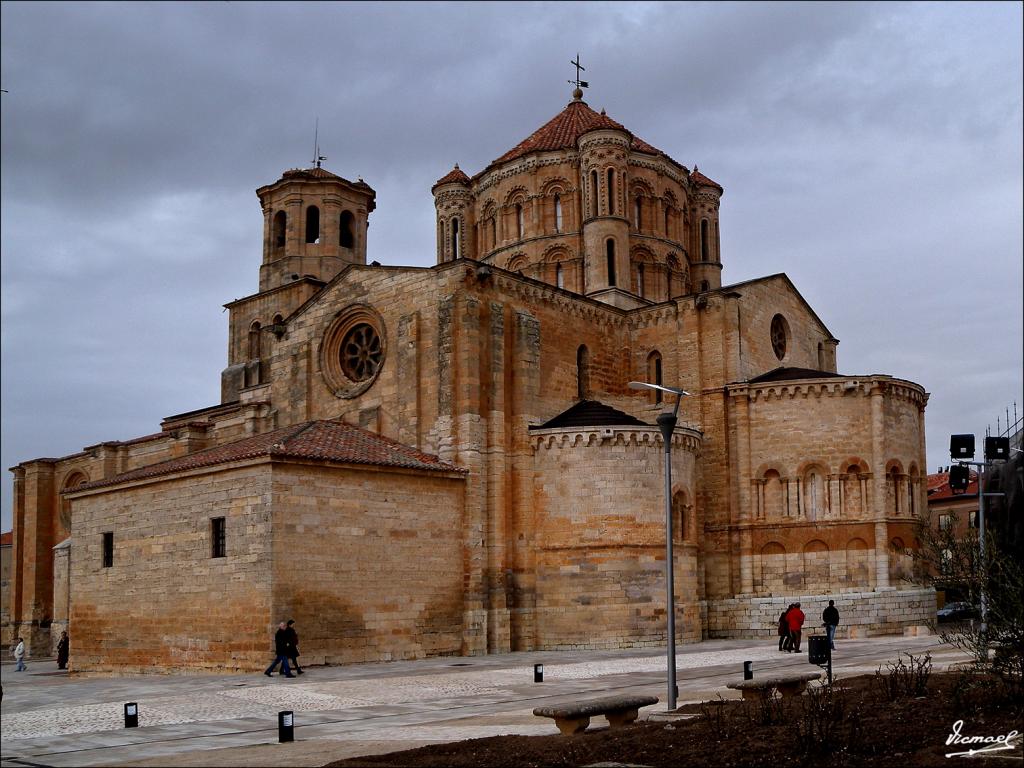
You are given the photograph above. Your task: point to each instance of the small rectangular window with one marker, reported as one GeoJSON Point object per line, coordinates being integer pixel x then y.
{"type": "Point", "coordinates": [217, 537]}
{"type": "Point", "coordinates": [945, 522]}
{"type": "Point", "coordinates": [108, 549]}
{"type": "Point", "coordinates": [974, 518]}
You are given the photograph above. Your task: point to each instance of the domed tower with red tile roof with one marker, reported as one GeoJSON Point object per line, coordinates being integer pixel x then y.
{"type": "Point", "coordinates": [314, 223]}
{"type": "Point", "coordinates": [453, 201]}
{"type": "Point", "coordinates": [585, 205]}
{"type": "Point", "coordinates": [706, 269]}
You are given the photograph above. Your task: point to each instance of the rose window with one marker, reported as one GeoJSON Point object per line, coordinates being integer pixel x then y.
{"type": "Point", "coordinates": [361, 352]}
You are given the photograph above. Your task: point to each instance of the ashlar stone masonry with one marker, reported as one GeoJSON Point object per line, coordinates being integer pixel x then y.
{"type": "Point", "coordinates": [416, 461]}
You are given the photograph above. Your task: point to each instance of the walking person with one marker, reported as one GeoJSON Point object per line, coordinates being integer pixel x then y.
{"type": "Point", "coordinates": [281, 652]}
{"type": "Point", "coordinates": [63, 648]}
{"type": "Point", "coordinates": [19, 655]}
{"type": "Point", "coordinates": [830, 618]}
{"type": "Point", "coordinates": [293, 645]}
{"type": "Point", "coordinates": [784, 643]}
{"type": "Point", "coordinates": [795, 618]}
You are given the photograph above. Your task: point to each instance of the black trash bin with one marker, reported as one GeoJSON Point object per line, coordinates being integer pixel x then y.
{"type": "Point", "coordinates": [818, 649]}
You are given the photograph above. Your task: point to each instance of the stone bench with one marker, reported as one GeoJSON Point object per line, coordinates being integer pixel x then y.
{"type": "Point", "coordinates": [786, 683]}
{"type": "Point", "coordinates": [574, 718]}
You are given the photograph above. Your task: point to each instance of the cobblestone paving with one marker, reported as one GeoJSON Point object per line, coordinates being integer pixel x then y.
{"type": "Point", "coordinates": [268, 699]}
{"type": "Point", "coordinates": [79, 721]}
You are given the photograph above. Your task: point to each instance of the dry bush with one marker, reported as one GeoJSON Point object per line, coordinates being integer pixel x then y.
{"type": "Point", "coordinates": [908, 678]}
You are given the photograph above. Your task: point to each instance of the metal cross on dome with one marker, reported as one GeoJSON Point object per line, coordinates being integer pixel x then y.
{"type": "Point", "coordinates": [579, 68]}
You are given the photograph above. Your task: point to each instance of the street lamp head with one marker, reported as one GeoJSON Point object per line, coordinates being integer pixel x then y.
{"type": "Point", "coordinates": [670, 390]}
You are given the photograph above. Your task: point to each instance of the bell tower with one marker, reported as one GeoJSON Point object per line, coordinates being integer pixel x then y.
{"type": "Point", "coordinates": [314, 224]}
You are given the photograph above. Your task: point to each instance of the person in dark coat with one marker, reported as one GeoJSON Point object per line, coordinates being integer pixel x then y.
{"type": "Point", "coordinates": [830, 618]}
{"type": "Point", "coordinates": [281, 651]}
{"type": "Point", "coordinates": [784, 643]}
{"type": "Point", "coordinates": [63, 651]}
{"type": "Point", "coordinates": [293, 645]}
{"type": "Point", "coordinates": [795, 619]}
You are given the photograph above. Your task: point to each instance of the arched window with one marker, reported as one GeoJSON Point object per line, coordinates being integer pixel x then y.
{"type": "Point", "coordinates": [718, 244]}
{"type": "Point", "coordinates": [894, 490]}
{"type": "Point", "coordinates": [558, 213]}
{"type": "Point", "coordinates": [654, 373]}
{"type": "Point", "coordinates": [703, 239]}
{"type": "Point", "coordinates": [610, 249]}
{"type": "Point", "coordinates": [582, 372]}
{"type": "Point", "coordinates": [704, 285]}
{"type": "Point", "coordinates": [640, 279]}
{"type": "Point", "coordinates": [519, 220]}
{"type": "Point", "coordinates": [494, 231]}
{"type": "Point", "coordinates": [668, 220]}
{"type": "Point", "coordinates": [346, 230]}
{"type": "Point", "coordinates": [312, 224]}
{"type": "Point", "coordinates": [611, 192]}
{"type": "Point", "coordinates": [280, 229]}
{"type": "Point", "coordinates": [559, 277]}
{"type": "Point", "coordinates": [814, 493]}
{"type": "Point", "coordinates": [682, 514]}
{"type": "Point", "coordinates": [637, 210]}
{"type": "Point", "coordinates": [254, 340]}
{"type": "Point", "coordinates": [456, 251]}
{"type": "Point", "coordinates": [593, 193]}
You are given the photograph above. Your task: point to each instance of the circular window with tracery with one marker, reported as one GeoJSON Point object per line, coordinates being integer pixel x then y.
{"type": "Point", "coordinates": [361, 352]}
{"type": "Point", "coordinates": [353, 351]}
{"type": "Point", "coordinates": [780, 336]}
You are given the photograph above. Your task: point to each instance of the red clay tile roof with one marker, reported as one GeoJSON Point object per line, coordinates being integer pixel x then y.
{"type": "Point", "coordinates": [699, 178]}
{"type": "Point", "coordinates": [310, 173]}
{"type": "Point", "coordinates": [7, 539]}
{"type": "Point", "coordinates": [335, 441]}
{"type": "Point", "coordinates": [564, 129]}
{"type": "Point", "coordinates": [938, 487]}
{"type": "Point", "coordinates": [454, 175]}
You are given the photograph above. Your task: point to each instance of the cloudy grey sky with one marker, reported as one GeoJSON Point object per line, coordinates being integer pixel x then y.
{"type": "Point", "coordinates": [873, 152]}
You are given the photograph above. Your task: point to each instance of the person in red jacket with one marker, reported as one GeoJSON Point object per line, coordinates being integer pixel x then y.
{"type": "Point", "coordinates": [796, 622]}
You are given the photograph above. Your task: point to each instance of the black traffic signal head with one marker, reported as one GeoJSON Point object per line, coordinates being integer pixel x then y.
{"type": "Point", "coordinates": [959, 478]}
{"type": "Point", "coordinates": [997, 448]}
{"type": "Point", "coordinates": [961, 446]}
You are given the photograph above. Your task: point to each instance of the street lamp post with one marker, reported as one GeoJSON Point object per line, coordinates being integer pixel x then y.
{"type": "Point", "coordinates": [667, 425]}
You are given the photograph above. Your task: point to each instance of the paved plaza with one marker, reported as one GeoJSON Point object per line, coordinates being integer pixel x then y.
{"type": "Point", "coordinates": [56, 719]}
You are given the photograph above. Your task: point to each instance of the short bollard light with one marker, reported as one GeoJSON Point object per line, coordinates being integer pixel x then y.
{"type": "Point", "coordinates": [131, 715]}
{"type": "Point", "coordinates": [285, 726]}
{"type": "Point", "coordinates": [748, 670]}
{"type": "Point", "coordinates": [538, 673]}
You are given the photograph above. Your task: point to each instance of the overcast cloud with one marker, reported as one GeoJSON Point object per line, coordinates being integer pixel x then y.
{"type": "Point", "coordinates": [873, 152]}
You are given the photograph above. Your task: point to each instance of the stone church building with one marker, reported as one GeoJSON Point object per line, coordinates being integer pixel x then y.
{"type": "Point", "coordinates": [417, 461]}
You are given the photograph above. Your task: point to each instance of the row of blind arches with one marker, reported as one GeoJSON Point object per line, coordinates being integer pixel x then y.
{"type": "Point", "coordinates": [346, 228]}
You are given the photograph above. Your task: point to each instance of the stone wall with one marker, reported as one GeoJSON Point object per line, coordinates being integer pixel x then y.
{"type": "Point", "coordinates": [861, 614]}
{"type": "Point", "coordinates": [166, 603]}
{"type": "Point", "coordinates": [369, 563]}
{"type": "Point", "coordinates": [600, 537]}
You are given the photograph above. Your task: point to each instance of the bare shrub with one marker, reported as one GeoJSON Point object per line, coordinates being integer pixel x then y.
{"type": "Point", "coordinates": [904, 678]}
{"type": "Point", "coordinates": [825, 722]}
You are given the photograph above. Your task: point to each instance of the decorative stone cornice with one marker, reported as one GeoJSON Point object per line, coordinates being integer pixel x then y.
{"type": "Point", "coordinates": [526, 165]}
{"type": "Point", "coordinates": [659, 166]}
{"type": "Point", "coordinates": [459, 195]}
{"type": "Point", "coordinates": [844, 386]}
{"type": "Point", "coordinates": [650, 438]}
{"type": "Point", "coordinates": [574, 305]}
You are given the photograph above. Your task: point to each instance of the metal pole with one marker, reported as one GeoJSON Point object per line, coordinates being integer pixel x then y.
{"type": "Point", "coordinates": [667, 424]}
{"type": "Point", "coordinates": [981, 549]}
